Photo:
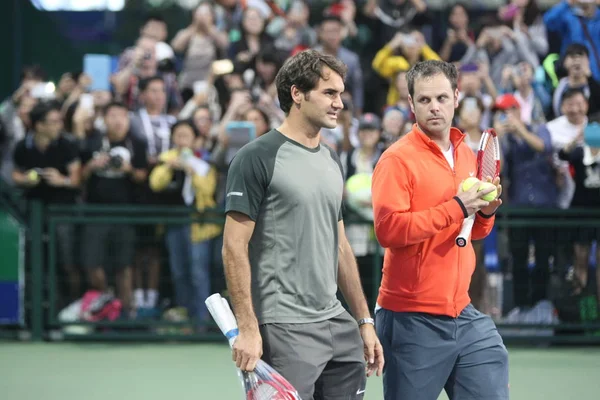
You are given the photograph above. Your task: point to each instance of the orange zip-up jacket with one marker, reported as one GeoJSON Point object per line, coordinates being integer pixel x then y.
{"type": "Point", "coordinates": [417, 218]}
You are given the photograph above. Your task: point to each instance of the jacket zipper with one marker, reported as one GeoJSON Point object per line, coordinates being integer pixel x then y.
{"type": "Point", "coordinates": [453, 172]}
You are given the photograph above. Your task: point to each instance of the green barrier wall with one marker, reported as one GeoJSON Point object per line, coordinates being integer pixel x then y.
{"type": "Point", "coordinates": [11, 270]}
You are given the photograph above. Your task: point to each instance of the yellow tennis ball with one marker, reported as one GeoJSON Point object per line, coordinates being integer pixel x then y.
{"type": "Point", "coordinates": [490, 196]}
{"type": "Point", "coordinates": [468, 183]}
{"type": "Point", "coordinates": [33, 176]}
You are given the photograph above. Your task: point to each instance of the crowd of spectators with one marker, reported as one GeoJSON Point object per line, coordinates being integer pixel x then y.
{"type": "Point", "coordinates": [182, 103]}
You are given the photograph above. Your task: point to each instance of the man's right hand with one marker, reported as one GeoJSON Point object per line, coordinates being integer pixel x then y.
{"type": "Point", "coordinates": [247, 349]}
{"type": "Point", "coordinates": [99, 161]}
{"type": "Point", "coordinates": [472, 198]}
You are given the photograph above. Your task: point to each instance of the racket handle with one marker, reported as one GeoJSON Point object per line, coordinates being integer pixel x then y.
{"type": "Point", "coordinates": [465, 231]}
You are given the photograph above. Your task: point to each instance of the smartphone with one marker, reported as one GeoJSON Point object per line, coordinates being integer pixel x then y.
{"type": "Point", "coordinates": [510, 12]}
{"type": "Point", "coordinates": [470, 103]}
{"type": "Point", "coordinates": [43, 90]}
{"type": "Point", "coordinates": [591, 134]}
{"type": "Point", "coordinates": [99, 68]}
{"type": "Point", "coordinates": [222, 67]}
{"type": "Point", "coordinates": [409, 40]}
{"type": "Point", "coordinates": [240, 133]}
{"type": "Point", "coordinates": [200, 87]}
{"type": "Point", "coordinates": [86, 101]}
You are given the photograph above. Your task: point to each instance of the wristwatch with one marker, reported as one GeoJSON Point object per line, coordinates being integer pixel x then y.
{"type": "Point", "coordinates": [366, 321]}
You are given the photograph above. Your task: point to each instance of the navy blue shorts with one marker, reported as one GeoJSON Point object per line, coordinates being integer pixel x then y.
{"type": "Point", "coordinates": [425, 354]}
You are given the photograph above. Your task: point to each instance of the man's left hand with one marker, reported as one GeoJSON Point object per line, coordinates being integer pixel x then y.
{"type": "Point", "coordinates": [373, 349]}
{"type": "Point", "coordinates": [493, 206]}
{"type": "Point", "coordinates": [53, 177]}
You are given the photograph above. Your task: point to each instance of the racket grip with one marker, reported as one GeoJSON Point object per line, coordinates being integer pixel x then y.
{"type": "Point", "coordinates": [465, 231]}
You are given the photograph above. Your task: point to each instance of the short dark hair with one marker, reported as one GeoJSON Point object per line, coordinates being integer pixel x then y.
{"type": "Point", "coordinates": [304, 70]}
{"type": "Point", "coordinates": [203, 107]}
{"type": "Point", "coordinates": [41, 110]}
{"type": "Point", "coordinates": [183, 122]}
{"type": "Point", "coordinates": [33, 72]}
{"type": "Point", "coordinates": [262, 112]}
{"type": "Point", "coordinates": [154, 17]}
{"type": "Point", "coordinates": [144, 83]}
{"type": "Point", "coordinates": [571, 92]}
{"type": "Point", "coordinates": [427, 69]}
{"type": "Point", "coordinates": [114, 104]}
{"type": "Point", "coordinates": [577, 49]}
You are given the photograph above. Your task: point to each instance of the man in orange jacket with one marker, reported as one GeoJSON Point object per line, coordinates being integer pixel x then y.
{"type": "Point", "coordinates": [432, 337]}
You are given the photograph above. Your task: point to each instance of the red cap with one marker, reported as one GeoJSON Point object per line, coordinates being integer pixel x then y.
{"type": "Point", "coordinates": [506, 101]}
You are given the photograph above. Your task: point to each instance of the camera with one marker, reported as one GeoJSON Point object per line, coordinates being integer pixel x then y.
{"type": "Point", "coordinates": [115, 161]}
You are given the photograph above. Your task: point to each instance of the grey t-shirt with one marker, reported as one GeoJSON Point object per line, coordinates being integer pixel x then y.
{"type": "Point", "coordinates": [294, 196]}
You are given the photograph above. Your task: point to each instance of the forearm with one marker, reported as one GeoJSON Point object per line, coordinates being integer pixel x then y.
{"type": "Point", "coordinates": [350, 284]}
{"type": "Point", "coordinates": [139, 175]}
{"type": "Point", "coordinates": [446, 50]}
{"type": "Point", "coordinates": [491, 88]}
{"type": "Point", "coordinates": [524, 50]}
{"type": "Point", "coordinates": [419, 5]}
{"type": "Point", "coordinates": [221, 38]}
{"type": "Point", "coordinates": [182, 39]}
{"type": "Point", "coordinates": [120, 80]}
{"type": "Point", "coordinates": [535, 142]}
{"type": "Point", "coordinates": [237, 276]}
{"type": "Point", "coordinates": [20, 178]}
{"type": "Point", "coordinates": [73, 180]}
{"type": "Point", "coordinates": [400, 229]}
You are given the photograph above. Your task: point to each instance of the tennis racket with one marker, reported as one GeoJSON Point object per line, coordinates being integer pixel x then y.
{"type": "Point", "coordinates": [488, 164]}
{"type": "Point", "coordinates": [264, 383]}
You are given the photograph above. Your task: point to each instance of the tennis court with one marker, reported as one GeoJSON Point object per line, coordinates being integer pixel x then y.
{"type": "Point", "coordinates": [69, 371]}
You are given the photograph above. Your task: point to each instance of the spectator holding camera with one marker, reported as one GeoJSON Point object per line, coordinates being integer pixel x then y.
{"type": "Point", "coordinates": [393, 127]}
{"type": "Point", "coordinates": [114, 164]}
{"type": "Point", "coordinates": [527, 23]}
{"type": "Point", "coordinates": [47, 166]}
{"type": "Point", "coordinates": [532, 96]}
{"type": "Point", "coordinates": [474, 81]}
{"type": "Point", "coordinates": [528, 169]}
{"type": "Point", "coordinates": [14, 114]}
{"type": "Point", "coordinates": [139, 64]}
{"type": "Point", "coordinates": [576, 62]}
{"type": "Point", "coordinates": [396, 57]}
{"type": "Point", "coordinates": [186, 180]}
{"type": "Point", "coordinates": [201, 43]}
{"type": "Point", "coordinates": [577, 21]}
{"type": "Point", "coordinates": [154, 125]}
{"type": "Point", "coordinates": [563, 130]}
{"type": "Point", "coordinates": [497, 46]}
{"type": "Point", "coordinates": [330, 42]}
{"type": "Point", "coordinates": [584, 156]}
{"type": "Point", "coordinates": [253, 38]}
{"type": "Point", "coordinates": [459, 37]}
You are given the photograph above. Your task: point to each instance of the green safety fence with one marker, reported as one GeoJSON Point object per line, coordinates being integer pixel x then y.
{"type": "Point", "coordinates": [44, 273]}
{"type": "Point", "coordinates": [132, 330]}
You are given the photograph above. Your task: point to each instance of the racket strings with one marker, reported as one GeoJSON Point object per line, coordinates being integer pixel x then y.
{"type": "Point", "coordinates": [264, 391]}
{"type": "Point", "coordinates": [488, 165]}
{"type": "Point", "coordinates": [266, 384]}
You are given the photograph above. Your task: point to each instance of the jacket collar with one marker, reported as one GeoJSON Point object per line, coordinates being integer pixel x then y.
{"type": "Point", "coordinates": [417, 135]}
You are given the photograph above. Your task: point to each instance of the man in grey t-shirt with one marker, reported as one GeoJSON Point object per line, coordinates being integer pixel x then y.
{"type": "Point", "coordinates": [285, 250]}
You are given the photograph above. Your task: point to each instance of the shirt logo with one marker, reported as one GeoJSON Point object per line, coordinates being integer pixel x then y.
{"type": "Point", "coordinates": [360, 391]}
{"type": "Point", "coordinates": [471, 173]}
{"type": "Point", "coordinates": [239, 194]}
